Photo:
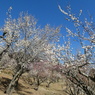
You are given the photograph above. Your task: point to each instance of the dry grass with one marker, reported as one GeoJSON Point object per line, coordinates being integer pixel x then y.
{"type": "Point", "coordinates": [26, 89]}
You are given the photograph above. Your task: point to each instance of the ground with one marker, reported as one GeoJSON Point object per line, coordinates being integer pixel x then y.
{"type": "Point", "coordinates": [26, 89]}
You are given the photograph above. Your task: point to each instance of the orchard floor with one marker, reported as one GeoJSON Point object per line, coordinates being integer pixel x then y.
{"type": "Point", "coordinates": [26, 89]}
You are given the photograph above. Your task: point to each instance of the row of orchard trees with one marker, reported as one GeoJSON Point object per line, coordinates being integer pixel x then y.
{"type": "Point", "coordinates": [80, 71]}
{"type": "Point", "coordinates": [23, 44]}
{"type": "Point", "coordinates": [25, 47]}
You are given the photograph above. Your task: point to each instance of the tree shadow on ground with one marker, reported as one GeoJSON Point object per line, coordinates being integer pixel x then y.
{"type": "Point", "coordinates": [20, 90]}
{"type": "Point", "coordinates": [4, 82]}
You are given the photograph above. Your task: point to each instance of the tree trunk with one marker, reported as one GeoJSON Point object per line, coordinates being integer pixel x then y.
{"type": "Point", "coordinates": [38, 81]}
{"type": "Point", "coordinates": [88, 90]}
{"type": "Point", "coordinates": [13, 82]}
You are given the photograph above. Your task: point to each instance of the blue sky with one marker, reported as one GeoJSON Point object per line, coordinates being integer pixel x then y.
{"type": "Point", "coordinates": [46, 11]}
